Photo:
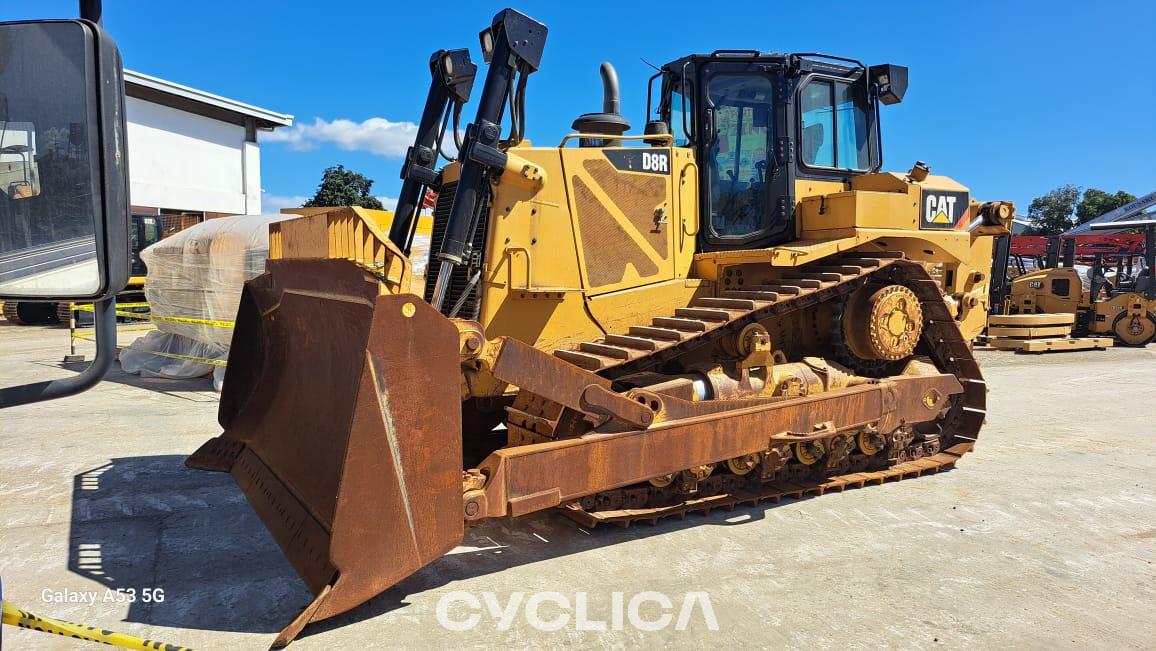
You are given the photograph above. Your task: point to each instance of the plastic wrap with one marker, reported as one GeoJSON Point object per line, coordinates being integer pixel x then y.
{"type": "Point", "coordinates": [199, 274]}
{"type": "Point", "coordinates": [419, 258]}
{"type": "Point", "coordinates": [157, 354]}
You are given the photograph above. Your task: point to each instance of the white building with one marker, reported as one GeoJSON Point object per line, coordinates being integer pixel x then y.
{"type": "Point", "coordinates": [192, 155]}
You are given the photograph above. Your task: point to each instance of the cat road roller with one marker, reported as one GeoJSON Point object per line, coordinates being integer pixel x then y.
{"type": "Point", "coordinates": [734, 305]}
{"type": "Point", "coordinates": [1120, 297]}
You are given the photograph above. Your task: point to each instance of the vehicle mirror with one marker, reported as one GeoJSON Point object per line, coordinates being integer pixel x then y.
{"type": "Point", "coordinates": [64, 205]}
{"type": "Point", "coordinates": [891, 82]}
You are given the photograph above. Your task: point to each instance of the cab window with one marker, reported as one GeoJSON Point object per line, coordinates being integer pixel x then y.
{"type": "Point", "coordinates": [835, 130]}
{"type": "Point", "coordinates": [679, 118]}
{"type": "Point", "coordinates": [738, 155]}
{"type": "Point", "coordinates": [818, 125]}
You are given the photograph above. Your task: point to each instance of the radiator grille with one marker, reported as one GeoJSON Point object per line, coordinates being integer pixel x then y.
{"type": "Point", "coordinates": [461, 273]}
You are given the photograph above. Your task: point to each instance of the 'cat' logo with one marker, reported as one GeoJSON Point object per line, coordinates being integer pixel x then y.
{"type": "Point", "coordinates": [656, 162]}
{"type": "Point", "coordinates": [943, 210]}
{"type": "Point", "coordinates": [940, 209]}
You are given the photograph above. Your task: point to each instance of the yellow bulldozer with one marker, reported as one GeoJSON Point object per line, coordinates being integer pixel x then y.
{"type": "Point", "coordinates": [735, 305]}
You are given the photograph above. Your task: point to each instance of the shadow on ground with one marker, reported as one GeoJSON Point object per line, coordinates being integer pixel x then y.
{"type": "Point", "coordinates": [197, 389]}
{"type": "Point", "coordinates": [502, 544]}
{"type": "Point", "coordinates": [149, 522]}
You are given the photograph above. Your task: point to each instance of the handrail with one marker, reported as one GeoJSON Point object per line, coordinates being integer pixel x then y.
{"type": "Point", "coordinates": [668, 137]}
{"type": "Point", "coordinates": [510, 251]}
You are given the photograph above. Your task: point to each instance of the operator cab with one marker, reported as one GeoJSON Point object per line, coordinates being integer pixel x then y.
{"type": "Point", "coordinates": [759, 122]}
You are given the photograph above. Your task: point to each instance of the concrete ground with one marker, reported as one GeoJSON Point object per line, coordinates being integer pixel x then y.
{"type": "Point", "coordinates": [1044, 537]}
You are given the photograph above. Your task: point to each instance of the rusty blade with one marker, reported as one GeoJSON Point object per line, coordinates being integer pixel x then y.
{"type": "Point", "coordinates": [342, 427]}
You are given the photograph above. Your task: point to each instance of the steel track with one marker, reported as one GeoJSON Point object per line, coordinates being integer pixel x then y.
{"type": "Point", "coordinates": [942, 342]}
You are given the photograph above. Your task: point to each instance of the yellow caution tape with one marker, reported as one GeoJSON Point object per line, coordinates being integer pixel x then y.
{"type": "Point", "coordinates": [87, 337]}
{"type": "Point", "coordinates": [181, 319]}
{"type": "Point", "coordinates": [87, 307]}
{"type": "Point", "coordinates": [148, 316]}
{"type": "Point", "coordinates": [188, 358]}
{"type": "Point", "coordinates": [90, 336]}
{"type": "Point", "coordinates": [124, 313]}
{"type": "Point", "coordinates": [14, 616]}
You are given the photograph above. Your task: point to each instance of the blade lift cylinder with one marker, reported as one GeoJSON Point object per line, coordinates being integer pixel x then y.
{"type": "Point", "coordinates": [452, 80]}
{"type": "Point", "coordinates": [513, 43]}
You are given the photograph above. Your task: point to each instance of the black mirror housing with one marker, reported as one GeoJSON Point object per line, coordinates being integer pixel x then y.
{"type": "Point", "coordinates": [83, 69]}
{"type": "Point", "coordinates": [113, 134]}
{"type": "Point", "coordinates": [891, 82]}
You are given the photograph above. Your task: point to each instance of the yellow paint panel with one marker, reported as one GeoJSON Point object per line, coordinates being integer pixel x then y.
{"type": "Point", "coordinates": [617, 311]}
{"type": "Point", "coordinates": [382, 218]}
{"type": "Point", "coordinates": [532, 286]}
{"type": "Point", "coordinates": [530, 244]}
{"type": "Point", "coordinates": [810, 188]}
{"type": "Point", "coordinates": [623, 221]}
{"type": "Point", "coordinates": [685, 216]}
{"type": "Point", "coordinates": [839, 214]}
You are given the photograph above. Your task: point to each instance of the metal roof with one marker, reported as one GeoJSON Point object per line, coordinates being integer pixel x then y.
{"type": "Point", "coordinates": [186, 98]}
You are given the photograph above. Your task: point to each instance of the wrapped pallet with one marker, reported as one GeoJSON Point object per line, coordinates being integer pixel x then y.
{"type": "Point", "coordinates": [195, 280]}
{"type": "Point", "coordinates": [199, 273]}
{"type": "Point", "coordinates": [193, 288]}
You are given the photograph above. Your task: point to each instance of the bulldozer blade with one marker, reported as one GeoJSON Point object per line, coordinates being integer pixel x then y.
{"type": "Point", "coordinates": [342, 428]}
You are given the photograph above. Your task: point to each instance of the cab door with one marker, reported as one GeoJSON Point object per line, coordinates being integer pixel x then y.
{"type": "Point", "coordinates": [744, 184]}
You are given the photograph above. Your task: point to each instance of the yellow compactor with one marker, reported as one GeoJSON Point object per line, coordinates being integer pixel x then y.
{"type": "Point", "coordinates": [1118, 302]}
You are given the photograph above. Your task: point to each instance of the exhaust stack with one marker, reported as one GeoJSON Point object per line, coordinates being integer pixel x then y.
{"type": "Point", "coordinates": [610, 95]}
{"type": "Point", "coordinates": [609, 121]}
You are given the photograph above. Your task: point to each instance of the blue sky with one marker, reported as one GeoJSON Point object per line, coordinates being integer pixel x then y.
{"type": "Point", "coordinates": [1009, 98]}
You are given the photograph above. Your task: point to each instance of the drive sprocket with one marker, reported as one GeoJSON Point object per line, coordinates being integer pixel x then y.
{"type": "Point", "coordinates": [882, 323]}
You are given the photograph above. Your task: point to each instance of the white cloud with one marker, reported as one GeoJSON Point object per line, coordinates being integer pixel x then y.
{"type": "Point", "coordinates": [273, 203]}
{"type": "Point", "coordinates": [375, 135]}
{"type": "Point", "coordinates": [389, 203]}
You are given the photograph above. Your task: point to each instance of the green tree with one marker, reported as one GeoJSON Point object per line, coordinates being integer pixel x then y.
{"type": "Point", "coordinates": [342, 187]}
{"type": "Point", "coordinates": [1097, 202]}
{"type": "Point", "coordinates": [1054, 212]}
